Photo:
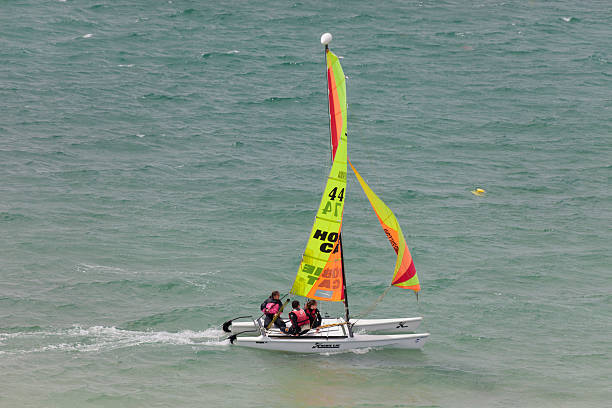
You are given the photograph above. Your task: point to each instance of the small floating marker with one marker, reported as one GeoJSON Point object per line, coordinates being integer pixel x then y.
{"type": "Point", "coordinates": [326, 38]}
{"type": "Point", "coordinates": [479, 192]}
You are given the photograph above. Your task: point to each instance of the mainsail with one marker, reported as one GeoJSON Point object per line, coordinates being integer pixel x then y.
{"type": "Point", "coordinates": [320, 273]}
{"type": "Point", "coordinates": [405, 275]}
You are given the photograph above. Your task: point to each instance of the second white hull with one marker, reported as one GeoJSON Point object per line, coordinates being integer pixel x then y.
{"type": "Point", "coordinates": [395, 325]}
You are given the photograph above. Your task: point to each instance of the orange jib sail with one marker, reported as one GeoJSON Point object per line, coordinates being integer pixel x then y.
{"type": "Point", "coordinates": [405, 275]}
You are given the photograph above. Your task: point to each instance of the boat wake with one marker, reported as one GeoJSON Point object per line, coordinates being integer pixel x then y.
{"type": "Point", "coordinates": [102, 338]}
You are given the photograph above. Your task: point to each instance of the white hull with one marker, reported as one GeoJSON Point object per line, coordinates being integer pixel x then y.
{"type": "Point", "coordinates": [397, 325]}
{"type": "Point", "coordinates": [326, 344]}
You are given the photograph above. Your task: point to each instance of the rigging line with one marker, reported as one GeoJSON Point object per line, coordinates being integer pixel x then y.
{"type": "Point", "coordinates": [372, 307]}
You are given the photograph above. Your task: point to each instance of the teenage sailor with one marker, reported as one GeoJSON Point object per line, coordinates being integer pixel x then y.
{"type": "Point", "coordinates": [270, 307]}
{"type": "Point", "coordinates": [313, 314]}
{"type": "Point", "coordinates": [300, 323]}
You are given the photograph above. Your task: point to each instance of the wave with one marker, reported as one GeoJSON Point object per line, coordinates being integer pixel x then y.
{"type": "Point", "coordinates": [275, 99]}
{"type": "Point", "coordinates": [186, 12]}
{"type": "Point", "coordinates": [85, 268]}
{"type": "Point", "coordinates": [7, 216]}
{"type": "Point", "coordinates": [219, 54]}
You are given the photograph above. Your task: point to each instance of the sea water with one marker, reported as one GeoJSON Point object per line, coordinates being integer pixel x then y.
{"type": "Point", "coordinates": [161, 164]}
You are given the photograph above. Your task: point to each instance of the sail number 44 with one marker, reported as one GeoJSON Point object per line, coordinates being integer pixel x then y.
{"type": "Point", "coordinates": [334, 191]}
{"type": "Point", "coordinates": [333, 195]}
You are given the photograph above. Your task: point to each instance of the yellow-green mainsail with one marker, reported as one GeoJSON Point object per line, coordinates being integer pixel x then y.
{"type": "Point", "coordinates": [320, 273]}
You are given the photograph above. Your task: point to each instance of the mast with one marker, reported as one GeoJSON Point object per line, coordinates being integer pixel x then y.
{"type": "Point", "coordinates": [346, 307]}
{"type": "Point", "coordinates": [326, 39]}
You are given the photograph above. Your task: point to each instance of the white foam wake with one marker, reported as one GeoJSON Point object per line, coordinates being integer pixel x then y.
{"type": "Point", "coordinates": [102, 338]}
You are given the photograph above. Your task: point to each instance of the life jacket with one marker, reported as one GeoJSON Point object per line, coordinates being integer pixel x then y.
{"type": "Point", "coordinates": [315, 317]}
{"type": "Point", "coordinates": [270, 308]}
{"type": "Point", "coordinates": [302, 317]}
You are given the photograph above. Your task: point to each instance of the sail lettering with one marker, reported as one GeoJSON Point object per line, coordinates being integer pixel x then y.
{"type": "Point", "coordinates": [391, 239]}
{"type": "Point", "coordinates": [326, 247]}
{"type": "Point", "coordinates": [332, 284]}
{"type": "Point", "coordinates": [328, 208]}
{"type": "Point", "coordinates": [313, 273]}
{"type": "Point", "coordinates": [332, 278]}
{"type": "Point", "coordinates": [320, 235]}
{"type": "Point", "coordinates": [332, 193]}
{"type": "Point", "coordinates": [331, 273]}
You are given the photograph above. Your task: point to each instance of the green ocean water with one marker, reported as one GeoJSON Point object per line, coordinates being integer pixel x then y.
{"type": "Point", "coordinates": [161, 164]}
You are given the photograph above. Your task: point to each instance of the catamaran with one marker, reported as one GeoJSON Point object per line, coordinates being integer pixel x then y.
{"type": "Point", "coordinates": [321, 274]}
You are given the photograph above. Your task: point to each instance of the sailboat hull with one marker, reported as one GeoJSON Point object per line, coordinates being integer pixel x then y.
{"type": "Point", "coordinates": [321, 344]}
{"type": "Point", "coordinates": [396, 325]}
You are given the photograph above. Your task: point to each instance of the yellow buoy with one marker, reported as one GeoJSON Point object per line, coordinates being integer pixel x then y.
{"type": "Point", "coordinates": [479, 192]}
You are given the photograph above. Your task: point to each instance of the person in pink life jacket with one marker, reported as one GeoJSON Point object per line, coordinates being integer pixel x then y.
{"type": "Point", "coordinates": [270, 307]}
{"type": "Point", "coordinates": [313, 313]}
{"type": "Point", "coordinates": [300, 322]}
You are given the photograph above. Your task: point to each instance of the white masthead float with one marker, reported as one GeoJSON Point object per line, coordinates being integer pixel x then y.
{"type": "Point", "coordinates": [326, 38]}
{"type": "Point", "coordinates": [321, 274]}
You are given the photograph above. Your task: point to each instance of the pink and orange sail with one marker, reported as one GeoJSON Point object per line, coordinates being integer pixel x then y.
{"type": "Point", "coordinates": [320, 274]}
{"type": "Point", "coordinates": [405, 275]}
